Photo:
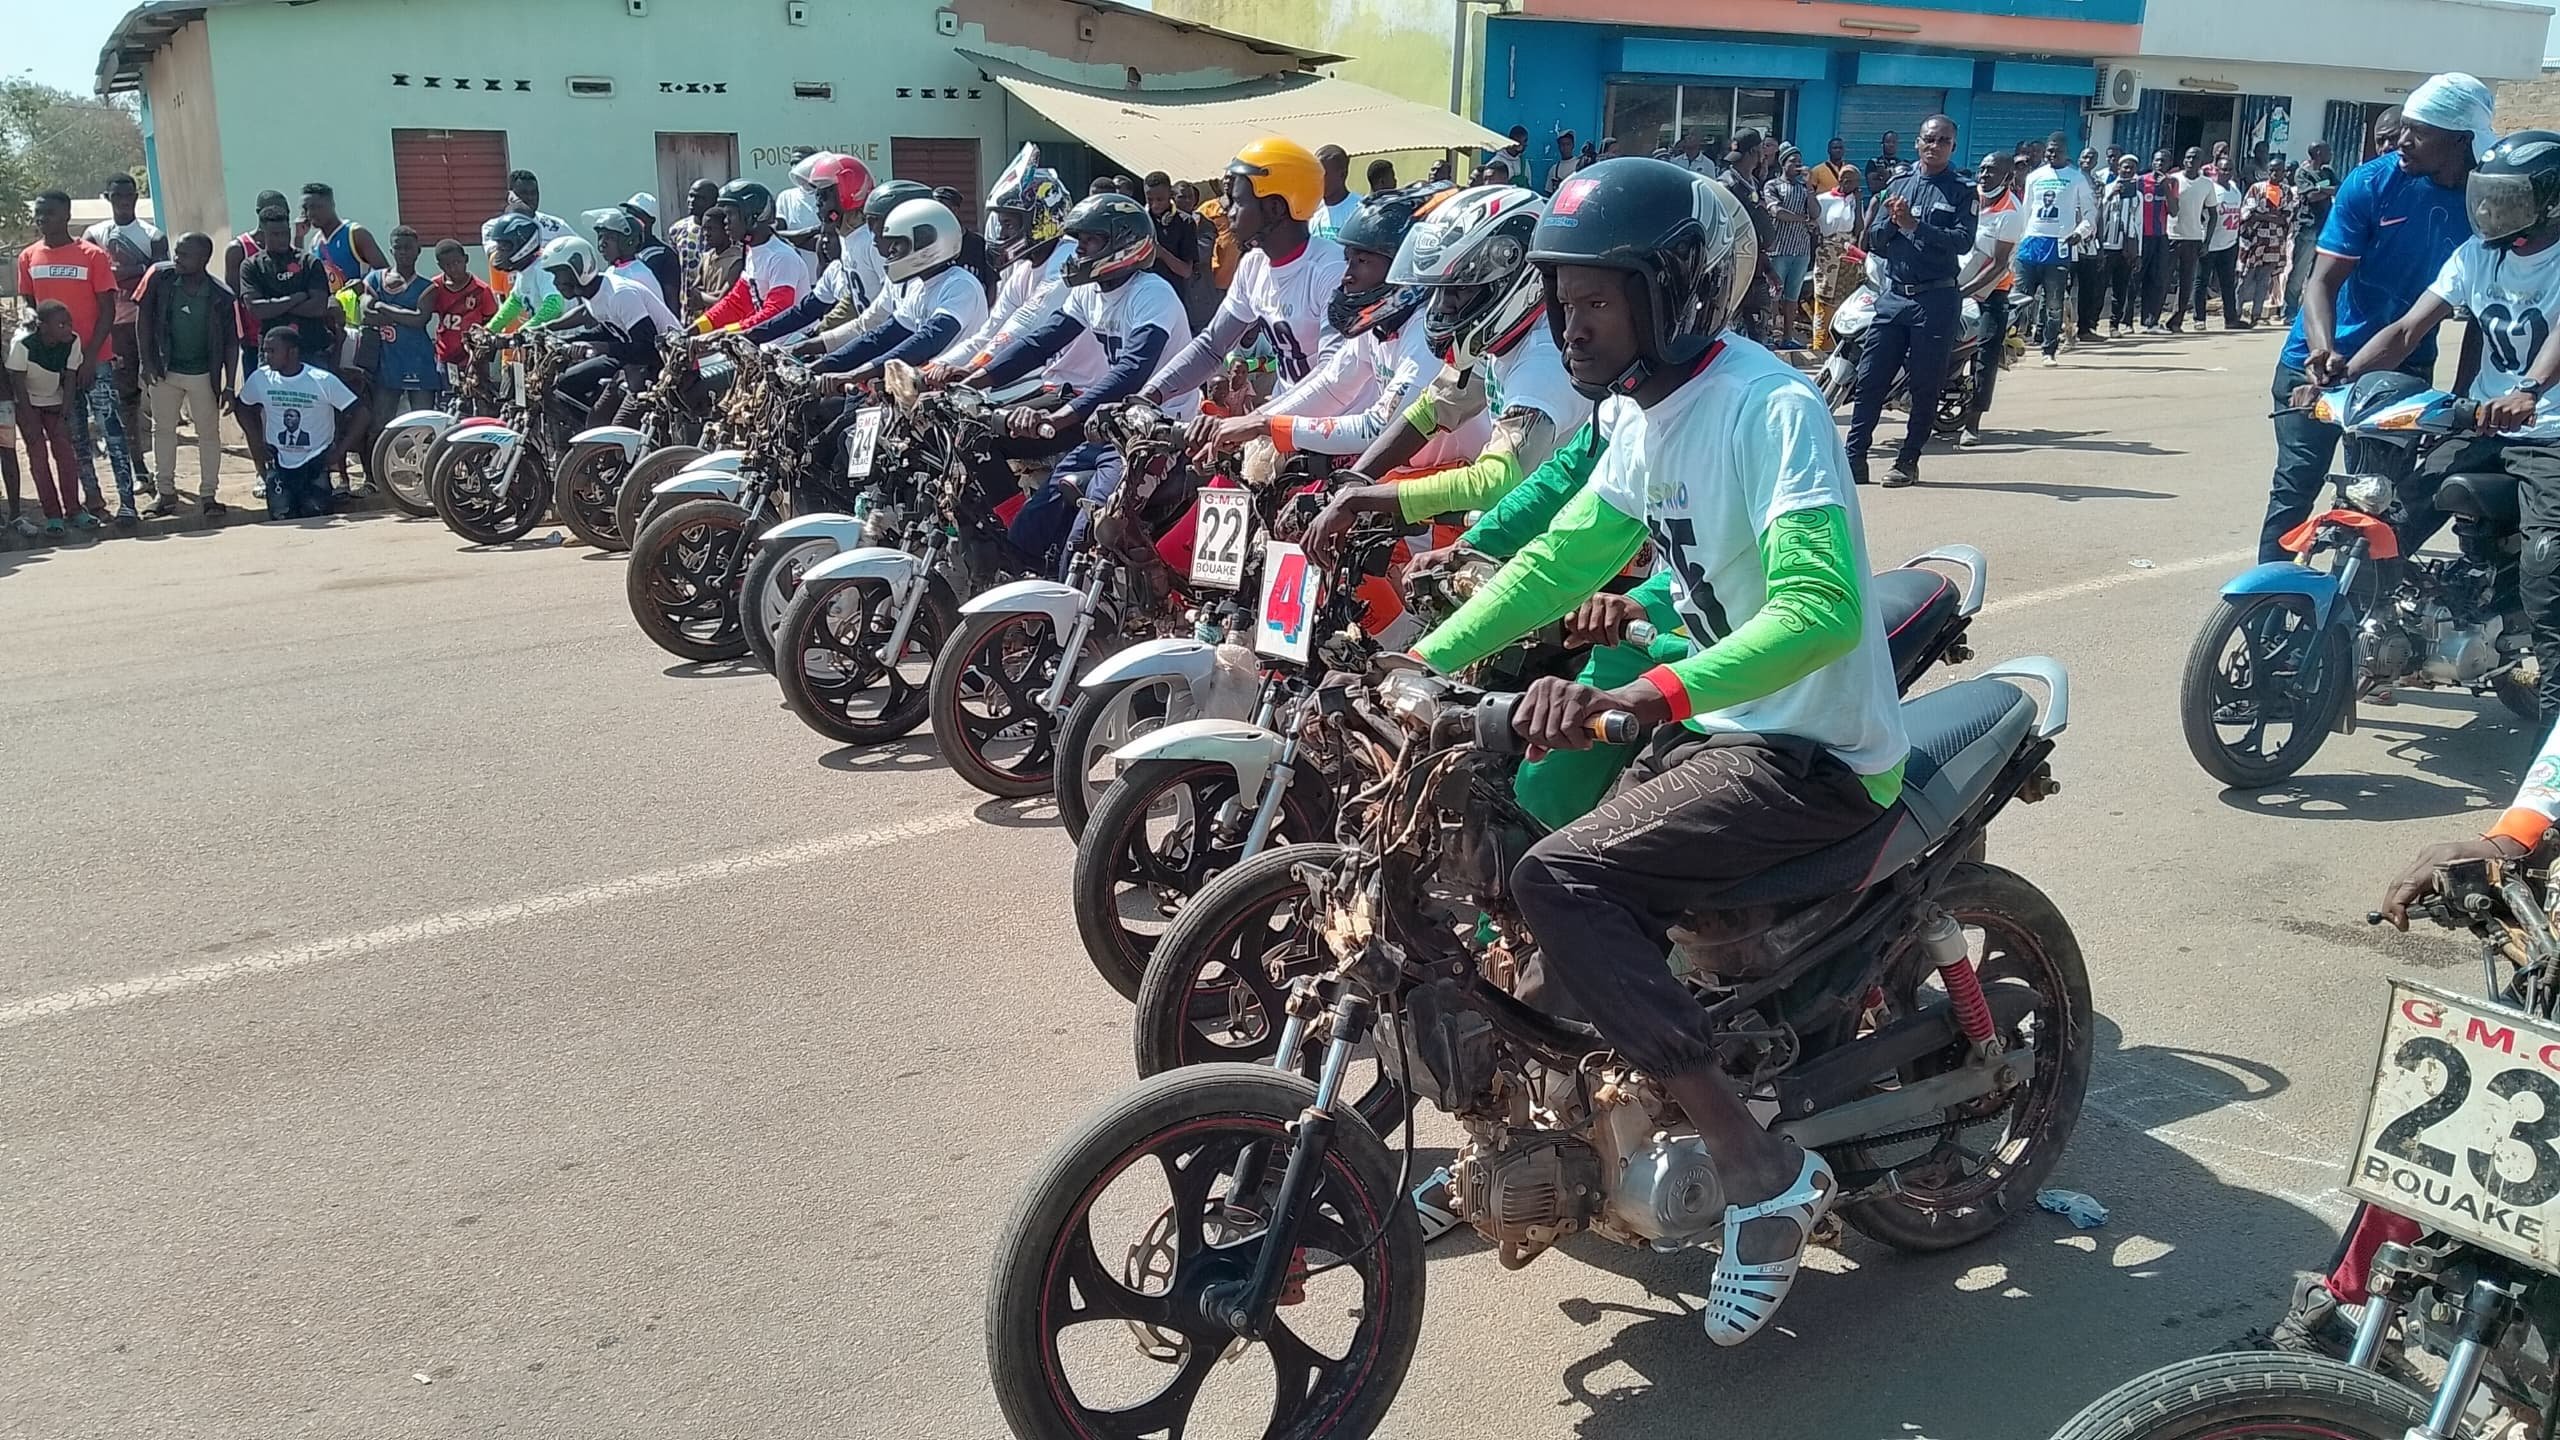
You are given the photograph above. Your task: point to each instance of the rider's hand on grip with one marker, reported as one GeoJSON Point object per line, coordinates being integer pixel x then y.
{"type": "Point", "coordinates": [2418, 883]}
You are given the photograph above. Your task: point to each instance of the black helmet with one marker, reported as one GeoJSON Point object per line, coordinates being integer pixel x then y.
{"type": "Point", "coordinates": [888, 195]}
{"type": "Point", "coordinates": [1670, 230]}
{"type": "Point", "coordinates": [1113, 235]}
{"type": "Point", "coordinates": [752, 201]}
{"type": "Point", "coordinates": [512, 241]}
{"type": "Point", "coordinates": [1379, 227]}
{"type": "Point", "coordinates": [2513, 195]}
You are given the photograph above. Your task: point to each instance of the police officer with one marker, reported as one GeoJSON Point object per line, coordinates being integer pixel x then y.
{"type": "Point", "coordinates": [1923, 225]}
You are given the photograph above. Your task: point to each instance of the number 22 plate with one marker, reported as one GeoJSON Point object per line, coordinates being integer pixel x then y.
{"type": "Point", "coordinates": [2463, 1130]}
{"type": "Point", "coordinates": [1217, 544]}
{"type": "Point", "coordinates": [1285, 625]}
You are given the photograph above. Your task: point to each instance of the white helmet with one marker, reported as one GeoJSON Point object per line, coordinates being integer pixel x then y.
{"type": "Point", "coordinates": [1471, 251]}
{"type": "Point", "coordinates": [575, 256]}
{"type": "Point", "coordinates": [918, 236]}
{"type": "Point", "coordinates": [804, 171]}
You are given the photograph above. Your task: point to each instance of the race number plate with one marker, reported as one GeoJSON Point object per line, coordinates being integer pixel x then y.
{"type": "Point", "coordinates": [1217, 547]}
{"type": "Point", "coordinates": [2463, 1130]}
{"type": "Point", "coordinates": [861, 441]}
{"type": "Point", "coordinates": [514, 385]}
{"type": "Point", "coordinates": [1285, 626]}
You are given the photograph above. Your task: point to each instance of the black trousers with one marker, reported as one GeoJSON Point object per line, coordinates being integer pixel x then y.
{"type": "Point", "coordinates": [2538, 468]}
{"type": "Point", "coordinates": [2189, 256]}
{"type": "Point", "coordinates": [1914, 334]}
{"type": "Point", "coordinates": [1602, 894]}
{"type": "Point", "coordinates": [2220, 272]}
{"type": "Point", "coordinates": [2091, 272]}
{"type": "Point", "coordinates": [2159, 264]}
{"type": "Point", "coordinates": [1986, 360]}
{"type": "Point", "coordinates": [2118, 267]}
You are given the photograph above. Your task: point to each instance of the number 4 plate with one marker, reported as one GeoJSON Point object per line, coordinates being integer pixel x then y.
{"type": "Point", "coordinates": [2463, 1130]}
{"type": "Point", "coordinates": [1285, 626]}
{"type": "Point", "coordinates": [1217, 546]}
{"type": "Point", "coordinates": [860, 441]}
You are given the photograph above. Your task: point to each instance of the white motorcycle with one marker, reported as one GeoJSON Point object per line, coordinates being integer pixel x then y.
{"type": "Point", "coordinates": [1849, 326]}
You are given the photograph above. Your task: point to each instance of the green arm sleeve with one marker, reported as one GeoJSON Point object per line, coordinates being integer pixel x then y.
{"type": "Point", "coordinates": [1590, 542]}
{"type": "Point", "coordinates": [1814, 614]}
{"type": "Point", "coordinates": [1534, 503]}
{"type": "Point", "coordinates": [1466, 487]}
{"type": "Point", "coordinates": [510, 310]}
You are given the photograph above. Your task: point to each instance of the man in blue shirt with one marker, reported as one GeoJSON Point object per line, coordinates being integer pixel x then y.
{"type": "Point", "coordinates": [2396, 220]}
{"type": "Point", "coordinates": [1923, 225]}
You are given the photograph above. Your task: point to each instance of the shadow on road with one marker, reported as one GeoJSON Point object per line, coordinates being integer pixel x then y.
{"type": "Point", "coordinates": [907, 755]}
{"type": "Point", "coordinates": [713, 669]}
{"type": "Point", "coordinates": [2475, 764]}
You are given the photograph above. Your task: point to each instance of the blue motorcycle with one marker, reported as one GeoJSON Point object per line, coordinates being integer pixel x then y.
{"type": "Point", "coordinates": [2294, 646]}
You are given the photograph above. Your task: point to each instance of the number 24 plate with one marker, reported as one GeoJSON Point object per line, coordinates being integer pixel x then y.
{"type": "Point", "coordinates": [2463, 1129]}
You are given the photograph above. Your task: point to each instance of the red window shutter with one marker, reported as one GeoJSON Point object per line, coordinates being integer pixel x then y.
{"type": "Point", "coordinates": [450, 181]}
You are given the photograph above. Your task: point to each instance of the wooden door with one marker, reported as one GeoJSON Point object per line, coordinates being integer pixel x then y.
{"type": "Point", "coordinates": [685, 156]}
{"type": "Point", "coordinates": [937, 162]}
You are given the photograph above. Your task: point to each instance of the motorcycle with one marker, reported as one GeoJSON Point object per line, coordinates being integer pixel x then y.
{"type": "Point", "coordinates": [1193, 801]}
{"type": "Point", "coordinates": [406, 447]}
{"type": "Point", "coordinates": [1838, 378]}
{"type": "Point", "coordinates": [492, 482]}
{"type": "Point", "coordinates": [1896, 998]}
{"type": "Point", "coordinates": [667, 411]}
{"type": "Point", "coordinates": [638, 493]}
{"type": "Point", "coordinates": [2293, 646]}
{"type": "Point", "coordinates": [2475, 1280]}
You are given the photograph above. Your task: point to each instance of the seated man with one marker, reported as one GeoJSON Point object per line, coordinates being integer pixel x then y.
{"type": "Point", "coordinates": [1726, 459]}
{"type": "Point", "coordinates": [621, 312]}
{"type": "Point", "coordinates": [930, 303]}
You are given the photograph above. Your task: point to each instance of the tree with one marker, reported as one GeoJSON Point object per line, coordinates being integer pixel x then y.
{"type": "Point", "coordinates": [54, 140]}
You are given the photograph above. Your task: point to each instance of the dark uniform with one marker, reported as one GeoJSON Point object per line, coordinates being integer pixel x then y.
{"type": "Point", "coordinates": [1917, 315]}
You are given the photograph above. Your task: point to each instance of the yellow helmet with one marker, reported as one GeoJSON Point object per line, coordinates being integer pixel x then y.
{"type": "Point", "coordinates": [1274, 166]}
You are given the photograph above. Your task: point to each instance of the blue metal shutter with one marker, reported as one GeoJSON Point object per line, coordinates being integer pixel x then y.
{"type": "Point", "coordinates": [2138, 134]}
{"type": "Point", "coordinates": [1867, 111]}
{"type": "Point", "coordinates": [2003, 122]}
{"type": "Point", "coordinates": [2253, 141]}
{"type": "Point", "coordinates": [2344, 128]}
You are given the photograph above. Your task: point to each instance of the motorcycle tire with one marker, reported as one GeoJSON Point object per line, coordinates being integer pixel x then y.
{"type": "Point", "coordinates": [1227, 922]}
{"type": "Point", "coordinates": [1840, 390]}
{"type": "Point", "coordinates": [527, 499]}
{"type": "Point", "coordinates": [587, 496]}
{"type": "Point", "coordinates": [1207, 1114]}
{"type": "Point", "coordinates": [1084, 727]}
{"type": "Point", "coordinates": [964, 725]}
{"type": "Point", "coordinates": [826, 702]}
{"type": "Point", "coordinates": [632, 502]}
{"type": "Point", "coordinates": [2522, 699]}
{"type": "Point", "coordinates": [773, 577]}
{"type": "Point", "coordinates": [2315, 714]}
{"type": "Point", "coordinates": [2026, 941]}
{"type": "Point", "coordinates": [399, 464]}
{"type": "Point", "coordinates": [682, 584]}
{"type": "Point", "coordinates": [1955, 405]}
{"type": "Point", "coordinates": [2251, 1394]}
{"type": "Point", "coordinates": [1107, 854]}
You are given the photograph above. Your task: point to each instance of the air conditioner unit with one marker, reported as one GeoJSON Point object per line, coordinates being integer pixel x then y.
{"type": "Point", "coordinates": [2118, 90]}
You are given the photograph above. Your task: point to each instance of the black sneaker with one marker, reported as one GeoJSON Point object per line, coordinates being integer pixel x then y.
{"type": "Point", "coordinates": [2312, 1325]}
{"type": "Point", "coordinates": [213, 508]}
{"type": "Point", "coordinates": [1858, 472]}
{"type": "Point", "coordinates": [1904, 472]}
{"type": "Point", "coordinates": [163, 508]}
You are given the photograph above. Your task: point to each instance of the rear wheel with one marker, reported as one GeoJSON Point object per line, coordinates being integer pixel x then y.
{"type": "Point", "coordinates": [2520, 691]}
{"type": "Point", "coordinates": [585, 494]}
{"type": "Point", "coordinates": [1110, 1269]}
{"type": "Point", "coordinates": [831, 659]}
{"type": "Point", "coordinates": [1957, 1186]}
{"type": "Point", "coordinates": [1218, 980]}
{"type": "Point", "coordinates": [772, 578]}
{"type": "Point", "coordinates": [639, 488]}
{"type": "Point", "coordinates": [1955, 405]}
{"type": "Point", "coordinates": [987, 716]}
{"type": "Point", "coordinates": [683, 580]}
{"type": "Point", "coordinates": [400, 464]}
{"type": "Point", "coordinates": [2263, 685]}
{"type": "Point", "coordinates": [2251, 1397]}
{"type": "Point", "coordinates": [1101, 720]}
{"type": "Point", "coordinates": [478, 499]}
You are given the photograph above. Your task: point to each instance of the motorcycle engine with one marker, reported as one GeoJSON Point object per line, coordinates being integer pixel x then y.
{"type": "Point", "coordinates": [1526, 1196]}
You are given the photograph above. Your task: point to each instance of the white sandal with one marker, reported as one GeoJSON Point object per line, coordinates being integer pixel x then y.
{"type": "Point", "coordinates": [1741, 1298]}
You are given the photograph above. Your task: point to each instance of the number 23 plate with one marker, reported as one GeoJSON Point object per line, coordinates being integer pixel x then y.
{"type": "Point", "coordinates": [2463, 1130]}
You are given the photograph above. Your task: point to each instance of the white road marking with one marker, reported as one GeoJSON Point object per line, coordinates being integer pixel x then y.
{"type": "Point", "coordinates": [464, 922]}
{"type": "Point", "coordinates": [2100, 583]}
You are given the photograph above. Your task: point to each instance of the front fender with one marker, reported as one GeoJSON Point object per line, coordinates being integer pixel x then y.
{"type": "Point", "coordinates": [1192, 661]}
{"type": "Point", "coordinates": [1061, 603]}
{"type": "Point", "coordinates": [434, 422]}
{"type": "Point", "coordinates": [497, 437]}
{"type": "Point", "coordinates": [833, 525]}
{"type": "Point", "coordinates": [722, 460]}
{"type": "Point", "coordinates": [864, 562]}
{"type": "Point", "coordinates": [2283, 577]}
{"type": "Point", "coordinates": [619, 437]}
{"type": "Point", "coordinates": [1242, 746]}
{"type": "Point", "coordinates": [716, 484]}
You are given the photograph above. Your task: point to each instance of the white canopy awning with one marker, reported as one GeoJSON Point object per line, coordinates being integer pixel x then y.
{"type": "Point", "coordinates": [1192, 134]}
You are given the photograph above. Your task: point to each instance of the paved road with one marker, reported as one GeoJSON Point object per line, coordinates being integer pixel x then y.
{"type": "Point", "coordinates": [424, 1011]}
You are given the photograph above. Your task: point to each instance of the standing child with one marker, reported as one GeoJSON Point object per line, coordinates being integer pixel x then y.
{"type": "Point", "coordinates": [291, 412]}
{"type": "Point", "coordinates": [457, 301]}
{"type": "Point", "coordinates": [44, 361]}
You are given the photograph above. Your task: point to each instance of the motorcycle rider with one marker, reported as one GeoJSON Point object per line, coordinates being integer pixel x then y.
{"type": "Point", "coordinates": [619, 236]}
{"type": "Point", "coordinates": [1487, 300]}
{"type": "Point", "coordinates": [857, 280]}
{"type": "Point", "coordinates": [1133, 312]}
{"type": "Point", "coordinates": [1284, 280]}
{"type": "Point", "coordinates": [1726, 460]}
{"type": "Point", "coordinates": [932, 300]}
{"type": "Point", "coordinates": [1025, 229]}
{"type": "Point", "coordinates": [2507, 276]}
{"type": "Point", "coordinates": [515, 242]}
{"type": "Point", "coordinates": [776, 274]}
{"type": "Point", "coordinates": [622, 312]}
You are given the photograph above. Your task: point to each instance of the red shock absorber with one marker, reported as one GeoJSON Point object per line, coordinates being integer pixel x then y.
{"type": "Point", "coordinates": [1954, 961]}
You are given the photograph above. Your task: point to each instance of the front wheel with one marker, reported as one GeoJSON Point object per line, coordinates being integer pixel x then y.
{"type": "Point", "coordinates": [1099, 1313]}
{"type": "Point", "coordinates": [2263, 685]}
{"type": "Point", "coordinates": [480, 499]}
{"type": "Point", "coordinates": [772, 579]}
{"type": "Point", "coordinates": [399, 461]}
{"type": "Point", "coordinates": [1955, 403]}
{"type": "Point", "coordinates": [586, 494]}
{"type": "Point", "coordinates": [683, 580]}
{"type": "Point", "coordinates": [831, 658]}
{"type": "Point", "coordinates": [1101, 720]}
{"type": "Point", "coordinates": [632, 502]}
{"type": "Point", "coordinates": [987, 717]}
{"type": "Point", "coordinates": [2251, 1396]}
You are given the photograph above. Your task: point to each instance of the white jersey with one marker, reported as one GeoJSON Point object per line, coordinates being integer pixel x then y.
{"type": "Point", "coordinates": [2226, 217]}
{"type": "Point", "coordinates": [1531, 376]}
{"type": "Point", "coordinates": [1994, 221]}
{"type": "Point", "coordinates": [1360, 388]}
{"type": "Point", "coordinates": [1709, 470]}
{"type": "Point", "coordinates": [949, 291]}
{"type": "Point", "coordinates": [623, 302]}
{"type": "Point", "coordinates": [1028, 297]}
{"type": "Point", "coordinates": [2059, 204]}
{"type": "Point", "coordinates": [1289, 301]}
{"type": "Point", "coordinates": [796, 208]}
{"type": "Point", "coordinates": [777, 264]}
{"type": "Point", "coordinates": [2514, 301]}
{"type": "Point", "coordinates": [1144, 301]}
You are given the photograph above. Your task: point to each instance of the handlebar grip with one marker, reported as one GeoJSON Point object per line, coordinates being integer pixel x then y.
{"type": "Point", "coordinates": [1615, 727]}
{"type": "Point", "coordinates": [1048, 431]}
{"type": "Point", "coordinates": [2373, 917]}
{"type": "Point", "coordinates": [1641, 634]}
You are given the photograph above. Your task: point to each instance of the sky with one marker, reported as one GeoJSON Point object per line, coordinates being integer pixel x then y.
{"type": "Point", "coordinates": [64, 52]}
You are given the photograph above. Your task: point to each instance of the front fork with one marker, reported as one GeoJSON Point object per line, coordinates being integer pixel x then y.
{"type": "Point", "coordinates": [2486, 1313]}
{"type": "Point", "coordinates": [1275, 783]}
{"type": "Point", "coordinates": [913, 600]}
{"type": "Point", "coordinates": [1055, 697]}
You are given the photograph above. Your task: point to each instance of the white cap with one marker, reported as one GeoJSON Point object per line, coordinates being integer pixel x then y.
{"type": "Point", "coordinates": [643, 203]}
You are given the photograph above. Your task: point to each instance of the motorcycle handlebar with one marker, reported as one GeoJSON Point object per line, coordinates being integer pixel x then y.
{"type": "Point", "coordinates": [1494, 730]}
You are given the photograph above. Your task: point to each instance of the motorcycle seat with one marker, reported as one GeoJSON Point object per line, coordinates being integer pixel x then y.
{"type": "Point", "coordinates": [1961, 737]}
{"type": "Point", "coordinates": [2488, 499]}
{"type": "Point", "coordinates": [1915, 605]}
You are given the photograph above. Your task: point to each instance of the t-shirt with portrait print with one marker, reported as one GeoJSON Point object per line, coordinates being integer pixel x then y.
{"type": "Point", "coordinates": [300, 410]}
